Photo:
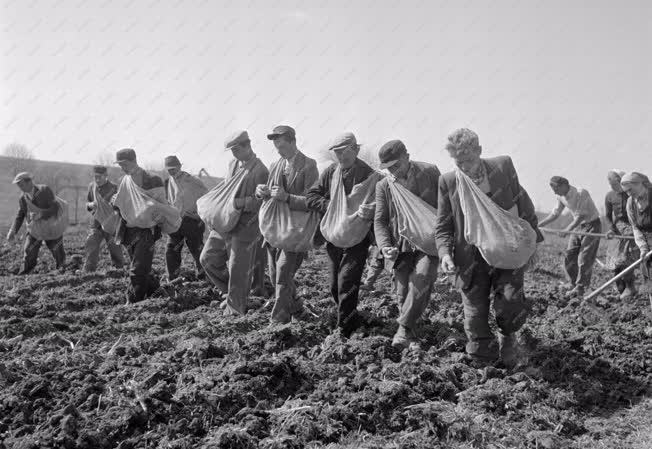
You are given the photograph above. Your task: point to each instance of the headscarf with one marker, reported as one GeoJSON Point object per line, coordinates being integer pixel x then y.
{"type": "Point", "coordinates": [634, 178]}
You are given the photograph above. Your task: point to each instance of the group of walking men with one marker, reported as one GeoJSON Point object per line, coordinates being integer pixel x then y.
{"type": "Point", "coordinates": [232, 260]}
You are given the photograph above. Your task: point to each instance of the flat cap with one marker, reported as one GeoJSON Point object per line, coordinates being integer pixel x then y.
{"type": "Point", "coordinates": [126, 154]}
{"type": "Point", "coordinates": [22, 176]}
{"type": "Point", "coordinates": [100, 169]}
{"type": "Point", "coordinates": [558, 181]}
{"type": "Point", "coordinates": [343, 141]}
{"type": "Point", "coordinates": [236, 138]}
{"type": "Point", "coordinates": [172, 162]}
{"type": "Point", "coordinates": [281, 130]}
{"type": "Point", "coordinates": [390, 152]}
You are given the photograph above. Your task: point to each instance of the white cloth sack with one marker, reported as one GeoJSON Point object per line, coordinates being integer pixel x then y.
{"type": "Point", "coordinates": [416, 218]}
{"type": "Point", "coordinates": [105, 214]}
{"type": "Point", "coordinates": [142, 208]}
{"type": "Point", "coordinates": [283, 228]}
{"type": "Point", "coordinates": [341, 225]}
{"type": "Point", "coordinates": [217, 208]}
{"type": "Point", "coordinates": [49, 229]}
{"type": "Point", "coordinates": [504, 239]}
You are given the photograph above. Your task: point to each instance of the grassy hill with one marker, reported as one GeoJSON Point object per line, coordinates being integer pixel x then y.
{"type": "Point", "coordinates": [69, 181]}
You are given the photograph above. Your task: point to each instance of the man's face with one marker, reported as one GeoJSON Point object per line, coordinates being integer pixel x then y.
{"type": "Point", "coordinates": [401, 167]}
{"type": "Point", "coordinates": [633, 189]}
{"type": "Point", "coordinates": [25, 185]}
{"type": "Point", "coordinates": [285, 148]}
{"type": "Point", "coordinates": [100, 178]}
{"type": "Point", "coordinates": [560, 189]}
{"type": "Point", "coordinates": [466, 159]}
{"type": "Point", "coordinates": [241, 151]}
{"type": "Point", "coordinates": [128, 166]}
{"type": "Point", "coordinates": [174, 171]}
{"type": "Point", "coordinates": [346, 156]}
{"type": "Point", "coordinates": [614, 182]}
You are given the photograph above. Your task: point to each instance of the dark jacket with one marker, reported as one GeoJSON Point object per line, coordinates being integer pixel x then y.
{"type": "Point", "coordinates": [615, 206]}
{"type": "Point", "coordinates": [319, 196]}
{"type": "Point", "coordinates": [43, 198]}
{"type": "Point", "coordinates": [423, 181]}
{"type": "Point", "coordinates": [106, 191]}
{"type": "Point", "coordinates": [506, 191]}
{"type": "Point", "coordinates": [146, 182]}
{"type": "Point", "coordinates": [247, 226]}
{"type": "Point", "coordinates": [302, 175]}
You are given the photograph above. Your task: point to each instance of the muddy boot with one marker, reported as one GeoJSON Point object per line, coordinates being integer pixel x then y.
{"type": "Point", "coordinates": [404, 337]}
{"type": "Point", "coordinates": [510, 353]}
{"type": "Point", "coordinates": [628, 292]}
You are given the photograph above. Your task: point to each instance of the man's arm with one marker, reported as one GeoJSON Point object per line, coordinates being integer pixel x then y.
{"type": "Point", "coordinates": [556, 212]}
{"type": "Point", "coordinates": [250, 202]}
{"type": "Point", "coordinates": [608, 214]}
{"type": "Point", "coordinates": [381, 217]}
{"type": "Point", "coordinates": [311, 174]}
{"type": "Point", "coordinates": [318, 196]}
{"type": "Point", "coordinates": [445, 226]}
{"type": "Point", "coordinates": [20, 215]}
{"type": "Point", "coordinates": [639, 236]}
{"type": "Point", "coordinates": [90, 197]}
{"type": "Point", "coordinates": [52, 206]}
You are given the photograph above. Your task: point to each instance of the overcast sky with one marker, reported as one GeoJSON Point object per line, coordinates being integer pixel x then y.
{"type": "Point", "coordinates": [564, 87]}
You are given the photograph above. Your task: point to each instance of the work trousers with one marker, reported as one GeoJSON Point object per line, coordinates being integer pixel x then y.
{"type": "Point", "coordinates": [283, 265]}
{"type": "Point", "coordinates": [93, 244]}
{"type": "Point", "coordinates": [509, 304]}
{"type": "Point", "coordinates": [140, 244]}
{"type": "Point", "coordinates": [414, 276]}
{"type": "Point", "coordinates": [375, 267]}
{"type": "Point", "coordinates": [31, 250]}
{"type": "Point", "coordinates": [346, 267]}
{"type": "Point", "coordinates": [191, 232]}
{"type": "Point", "coordinates": [581, 254]}
{"type": "Point", "coordinates": [260, 264]}
{"type": "Point", "coordinates": [228, 262]}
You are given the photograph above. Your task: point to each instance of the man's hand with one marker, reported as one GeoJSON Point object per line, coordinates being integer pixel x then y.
{"type": "Point", "coordinates": [11, 235]}
{"type": "Point", "coordinates": [610, 235]}
{"type": "Point", "coordinates": [367, 211]}
{"type": "Point", "coordinates": [33, 216]}
{"type": "Point", "coordinates": [262, 191]}
{"type": "Point", "coordinates": [278, 193]}
{"type": "Point", "coordinates": [447, 265]}
{"type": "Point", "coordinates": [390, 252]}
{"type": "Point", "coordinates": [644, 254]}
{"type": "Point", "coordinates": [91, 205]}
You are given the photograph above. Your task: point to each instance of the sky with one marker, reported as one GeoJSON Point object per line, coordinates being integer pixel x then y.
{"type": "Point", "coordinates": [563, 87]}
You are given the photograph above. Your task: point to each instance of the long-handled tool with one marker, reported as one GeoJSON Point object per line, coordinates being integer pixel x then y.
{"type": "Point", "coordinates": [588, 234]}
{"type": "Point", "coordinates": [619, 276]}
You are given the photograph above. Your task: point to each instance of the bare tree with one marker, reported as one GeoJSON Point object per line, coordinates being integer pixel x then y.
{"type": "Point", "coordinates": [21, 157]}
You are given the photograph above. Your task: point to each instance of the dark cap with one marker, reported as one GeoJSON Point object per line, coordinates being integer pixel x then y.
{"type": "Point", "coordinates": [99, 169]}
{"type": "Point", "coordinates": [126, 154]}
{"type": "Point", "coordinates": [342, 141]}
{"type": "Point", "coordinates": [390, 153]}
{"type": "Point", "coordinates": [237, 138]}
{"type": "Point", "coordinates": [172, 162]}
{"type": "Point", "coordinates": [282, 130]}
{"type": "Point", "coordinates": [558, 181]}
{"type": "Point", "coordinates": [22, 176]}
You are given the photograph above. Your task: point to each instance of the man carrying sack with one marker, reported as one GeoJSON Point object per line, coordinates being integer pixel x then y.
{"type": "Point", "coordinates": [145, 214]}
{"type": "Point", "coordinates": [231, 211]}
{"type": "Point", "coordinates": [496, 183]}
{"type": "Point", "coordinates": [45, 222]}
{"type": "Point", "coordinates": [290, 178]}
{"type": "Point", "coordinates": [104, 221]}
{"type": "Point", "coordinates": [344, 194]}
{"type": "Point", "coordinates": [182, 191]}
{"type": "Point", "coordinates": [415, 268]}
{"type": "Point", "coordinates": [582, 249]}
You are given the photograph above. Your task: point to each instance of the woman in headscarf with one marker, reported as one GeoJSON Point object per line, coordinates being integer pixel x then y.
{"type": "Point", "coordinates": [639, 212]}
{"type": "Point", "coordinates": [621, 253]}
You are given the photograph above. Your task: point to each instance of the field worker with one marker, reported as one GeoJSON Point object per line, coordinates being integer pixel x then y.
{"type": "Point", "coordinates": [299, 173]}
{"type": "Point", "coordinates": [414, 271]}
{"type": "Point", "coordinates": [625, 251]}
{"type": "Point", "coordinates": [100, 186]}
{"type": "Point", "coordinates": [475, 279]}
{"type": "Point", "coordinates": [43, 198]}
{"type": "Point", "coordinates": [346, 264]}
{"type": "Point", "coordinates": [139, 242]}
{"type": "Point", "coordinates": [639, 212]}
{"type": "Point", "coordinates": [182, 191]}
{"type": "Point", "coordinates": [228, 259]}
{"type": "Point", "coordinates": [582, 250]}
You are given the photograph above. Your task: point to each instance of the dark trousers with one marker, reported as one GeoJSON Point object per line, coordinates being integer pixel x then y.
{"type": "Point", "coordinates": [140, 246]}
{"type": "Point", "coordinates": [346, 267]}
{"type": "Point", "coordinates": [93, 242]}
{"type": "Point", "coordinates": [191, 232]}
{"type": "Point", "coordinates": [31, 250]}
{"type": "Point", "coordinates": [260, 264]}
{"type": "Point", "coordinates": [509, 303]}
{"type": "Point", "coordinates": [581, 254]}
